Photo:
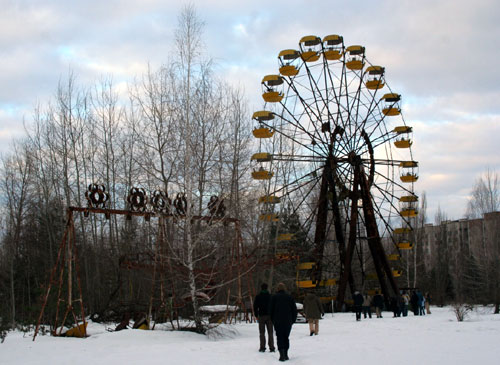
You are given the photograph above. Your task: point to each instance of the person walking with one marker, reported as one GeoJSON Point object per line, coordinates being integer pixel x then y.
{"type": "Point", "coordinates": [358, 304]}
{"type": "Point", "coordinates": [428, 303]}
{"type": "Point", "coordinates": [414, 303]}
{"type": "Point", "coordinates": [378, 303]}
{"type": "Point", "coordinates": [283, 311]}
{"type": "Point", "coordinates": [261, 311]}
{"type": "Point", "coordinates": [406, 299]}
{"type": "Point", "coordinates": [367, 309]}
{"type": "Point", "coordinates": [313, 310]}
{"type": "Point", "coordinates": [421, 303]}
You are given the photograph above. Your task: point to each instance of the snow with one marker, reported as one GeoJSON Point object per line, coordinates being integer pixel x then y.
{"type": "Point", "coordinates": [221, 308]}
{"type": "Point", "coordinates": [432, 339]}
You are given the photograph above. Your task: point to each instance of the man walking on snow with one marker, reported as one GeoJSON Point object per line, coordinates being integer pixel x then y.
{"type": "Point", "coordinates": [261, 311]}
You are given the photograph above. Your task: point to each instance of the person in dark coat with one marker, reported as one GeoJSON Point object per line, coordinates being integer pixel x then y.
{"type": "Point", "coordinates": [313, 310]}
{"type": "Point", "coordinates": [414, 303]}
{"type": "Point", "coordinates": [261, 311]}
{"type": "Point", "coordinates": [378, 303]}
{"type": "Point", "coordinates": [358, 304]}
{"type": "Point", "coordinates": [283, 311]}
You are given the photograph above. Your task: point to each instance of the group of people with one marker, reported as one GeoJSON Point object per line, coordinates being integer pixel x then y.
{"type": "Point", "coordinates": [279, 311]}
{"type": "Point", "coordinates": [417, 302]}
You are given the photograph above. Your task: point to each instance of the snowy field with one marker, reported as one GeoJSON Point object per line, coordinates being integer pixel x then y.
{"type": "Point", "coordinates": [432, 339]}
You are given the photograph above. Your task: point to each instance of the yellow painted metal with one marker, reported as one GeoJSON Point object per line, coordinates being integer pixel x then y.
{"type": "Point", "coordinates": [375, 70]}
{"type": "Point", "coordinates": [306, 266]}
{"type": "Point", "coordinates": [272, 96]}
{"type": "Point", "coordinates": [261, 157]}
{"type": "Point", "coordinates": [285, 237]}
{"type": "Point", "coordinates": [408, 178]}
{"type": "Point", "coordinates": [397, 273]}
{"type": "Point", "coordinates": [354, 64]}
{"type": "Point", "coordinates": [269, 217]}
{"type": "Point", "coordinates": [289, 54]}
{"type": "Point", "coordinates": [289, 70]}
{"type": "Point", "coordinates": [403, 143]}
{"type": "Point", "coordinates": [272, 80]}
{"type": "Point", "coordinates": [328, 282]}
{"type": "Point", "coordinates": [143, 327]}
{"type": "Point", "coordinates": [310, 56]}
{"type": "Point", "coordinates": [310, 40]}
{"type": "Point", "coordinates": [408, 164]}
{"type": "Point", "coordinates": [269, 199]}
{"type": "Point", "coordinates": [374, 84]}
{"type": "Point", "coordinates": [262, 175]}
{"type": "Point", "coordinates": [372, 292]}
{"type": "Point", "coordinates": [355, 50]}
{"type": "Point", "coordinates": [332, 54]}
{"type": "Point", "coordinates": [332, 40]}
{"type": "Point", "coordinates": [262, 133]}
{"type": "Point", "coordinates": [325, 300]}
{"type": "Point", "coordinates": [402, 230]}
{"type": "Point", "coordinates": [393, 257]}
{"type": "Point", "coordinates": [305, 284]}
{"type": "Point", "coordinates": [78, 331]}
{"type": "Point", "coordinates": [408, 212]}
{"type": "Point", "coordinates": [371, 276]}
{"type": "Point", "coordinates": [408, 199]}
{"type": "Point", "coordinates": [391, 97]}
{"type": "Point", "coordinates": [263, 115]}
{"type": "Point", "coordinates": [390, 112]}
{"type": "Point", "coordinates": [405, 245]}
{"type": "Point", "coordinates": [402, 129]}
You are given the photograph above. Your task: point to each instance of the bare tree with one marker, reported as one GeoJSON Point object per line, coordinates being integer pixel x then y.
{"type": "Point", "coordinates": [485, 195]}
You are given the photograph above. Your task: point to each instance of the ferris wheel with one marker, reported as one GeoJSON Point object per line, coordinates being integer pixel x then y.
{"type": "Point", "coordinates": [335, 152]}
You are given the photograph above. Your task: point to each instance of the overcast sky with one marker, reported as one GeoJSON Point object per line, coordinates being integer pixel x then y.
{"type": "Point", "coordinates": [441, 56]}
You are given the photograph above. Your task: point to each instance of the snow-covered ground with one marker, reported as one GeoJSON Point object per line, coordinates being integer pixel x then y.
{"type": "Point", "coordinates": [432, 339]}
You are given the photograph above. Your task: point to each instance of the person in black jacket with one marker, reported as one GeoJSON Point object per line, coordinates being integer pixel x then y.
{"type": "Point", "coordinates": [358, 304]}
{"type": "Point", "coordinates": [261, 311]}
{"type": "Point", "coordinates": [283, 311]}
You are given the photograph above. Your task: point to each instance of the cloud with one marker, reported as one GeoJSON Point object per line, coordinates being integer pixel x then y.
{"type": "Point", "coordinates": [440, 55]}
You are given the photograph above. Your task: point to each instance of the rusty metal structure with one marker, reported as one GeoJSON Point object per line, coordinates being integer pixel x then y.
{"type": "Point", "coordinates": [65, 274]}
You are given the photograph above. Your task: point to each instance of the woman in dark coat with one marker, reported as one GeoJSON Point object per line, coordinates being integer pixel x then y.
{"type": "Point", "coordinates": [313, 311]}
{"type": "Point", "coordinates": [283, 311]}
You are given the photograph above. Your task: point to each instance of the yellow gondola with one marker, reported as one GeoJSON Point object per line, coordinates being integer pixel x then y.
{"type": "Point", "coordinates": [271, 84]}
{"type": "Point", "coordinates": [392, 101]}
{"type": "Point", "coordinates": [393, 257]}
{"type": "Point", "coordinates": [262, 175]}
{"type": "Point", "coordinates": [375, 77]}
{"type": "Point", "coordinates": [261, 157]}
{"type": "Point", "coordinates": [410, 212]}
{"type": "Point", "coordinates": [403, 143]}
{"type": "Point", "coordinates": [402, 129]}
{"type": "Point", "coordinates": [262, 132]}
{"type": "Point", "coordinates": [408, 178]}
{"type": "Point", "coordinates": [397, 273]}
{"type": "Point", "coordinates": [408, 164]}
{"type": "Point", "coordinates": [405, 245]}
{"type": "Point", "coordinates": [269, 199]}
{"type": "Point", "coordinates": [306, 266]}
{"type": "Point", "coordinates": [287, 58]}
{"type": "Point", "coordinates": [310, 47]}
{"type": "Point", "coordinates": [333, 47]}
{"type": "Point", "coordinates": [306, 284]}
{"type": "Point", "coordinates": [402, 230]}
{"type": "Point", "coordinates": [355, 57]}
{"type": "Point", "coordinates": [408, 199]}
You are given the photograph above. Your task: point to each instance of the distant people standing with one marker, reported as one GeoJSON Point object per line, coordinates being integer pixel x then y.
{"type": "Point", "coordinates": [421, 303]}
{"type": "Point", "coordinates": [367, 306]}
{"type": "Point", "coordinates": [378, 303]}
{"type": "Point", "coordinates": [428, 303]}
{"type": "Point", "coordinates": [414, 303]}
{"type": "Point", "coordinates": [358, 304]}
{"type": "Point", "coordinates": [261, 311]}
{"type": "Point", "coordinates": [313, 310]}
{"type": "Point", "coordinates": [406, 301]}
{"type": "Point", "coordinates": [283, 311]}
